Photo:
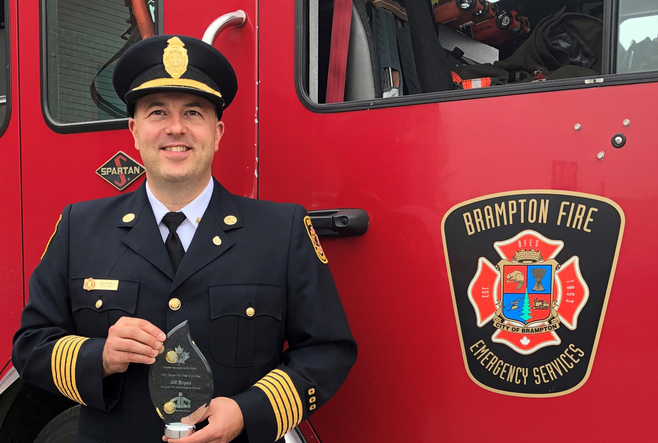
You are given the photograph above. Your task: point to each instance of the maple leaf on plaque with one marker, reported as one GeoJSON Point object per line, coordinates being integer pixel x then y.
{"type": "Point", "coordinates": [182, 355]}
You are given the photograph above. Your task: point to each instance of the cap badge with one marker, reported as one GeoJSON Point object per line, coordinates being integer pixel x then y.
{"type": "Point", "coordinates": [175, 57]}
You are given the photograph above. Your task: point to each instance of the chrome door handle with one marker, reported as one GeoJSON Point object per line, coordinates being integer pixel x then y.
{"type": "Point", "coordinates": [237, 19]}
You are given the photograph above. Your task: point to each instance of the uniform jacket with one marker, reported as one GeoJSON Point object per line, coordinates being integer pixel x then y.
{"type": "Point", "coordinates": [266, 260]}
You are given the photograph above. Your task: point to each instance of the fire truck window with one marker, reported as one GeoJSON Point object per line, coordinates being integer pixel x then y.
{"type": "Point", "coordinates": [638, 36]}
{"type": "Point", "coordinates": [83, 40]}
{"type": "Point", "coordinates": [396, 48]}
{"type": "Point", "coordinates": [4, 71]}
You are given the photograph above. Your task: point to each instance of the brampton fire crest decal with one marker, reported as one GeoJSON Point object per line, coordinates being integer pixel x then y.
{"type": "Point", "coordinates": [530, 274]}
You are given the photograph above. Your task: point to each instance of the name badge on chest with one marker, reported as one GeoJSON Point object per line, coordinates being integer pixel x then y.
{"type": "Point", "coordinates": [91, 284]}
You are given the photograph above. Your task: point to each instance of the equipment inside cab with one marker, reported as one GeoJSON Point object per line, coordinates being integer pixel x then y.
{"type": "Point", "coordinates": [392, 48]}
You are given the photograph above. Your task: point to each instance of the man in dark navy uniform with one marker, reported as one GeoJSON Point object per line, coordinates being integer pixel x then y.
{"type": "Point", "coordinates": [120, 272]}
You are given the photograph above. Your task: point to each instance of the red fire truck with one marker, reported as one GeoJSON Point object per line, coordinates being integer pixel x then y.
{"type": "Point", "coordinates": [491, 244]}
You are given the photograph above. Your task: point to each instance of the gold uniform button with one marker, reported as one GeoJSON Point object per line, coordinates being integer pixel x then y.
{"type": "Point", "coordinates": [174, 304]}
{"type": "Point", "coordinates": [230, 220]}
{"type": "Point", "coordinates": [312, 407]}
{"type": "Point", "coordinates": [250, 312]}
{"type": "Point", "coordinates": [169, 407]}
{"type": "Point", "coordinates": [217, 241]}
{"type": "Point", "coordinates": [311, 400]}
{"type": "Point", "coordinates": [99, 303]}
{"type": "Point", "coordinates": [128, 217]}
{"type": "Point", "coordinates": [171, 357]}
{"type": "Point", "coordinates": [311, 391]}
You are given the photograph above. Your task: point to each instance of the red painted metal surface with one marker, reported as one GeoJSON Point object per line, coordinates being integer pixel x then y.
{"type": "Point", "coordinates": [11, 254]}
{"type": "Point", "coordinates": [407, 166]}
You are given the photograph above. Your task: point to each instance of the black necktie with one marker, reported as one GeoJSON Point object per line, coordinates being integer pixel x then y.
{"type": "Point", "coordinates": [172, 220]}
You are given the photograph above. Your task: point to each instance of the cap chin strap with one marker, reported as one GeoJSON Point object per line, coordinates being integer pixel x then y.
{"type": "Point", "coordinates": [177, 83]}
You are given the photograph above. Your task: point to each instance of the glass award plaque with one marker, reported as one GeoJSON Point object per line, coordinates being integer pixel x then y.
{"type": "Point", "coordinates": [180, 381]}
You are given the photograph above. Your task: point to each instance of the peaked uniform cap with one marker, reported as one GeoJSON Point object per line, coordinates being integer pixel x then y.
{"type": "Point", "coordinates": [174, 63]}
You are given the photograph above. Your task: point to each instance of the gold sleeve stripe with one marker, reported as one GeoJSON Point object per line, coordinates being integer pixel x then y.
{"type": "Point", "coordinates": [62, 352]}
{"type": "Point", "coordinates": [74, 384]}
{"type": "Point", "coordinates": [51, 237]}
{"type": "Point", "coordinates": [284, 398]}
{"type": "Point", "coordinates": [63, 364]}
{"type": "Point", "coordinates": [55, 359]}
{"type": "Point", "coordinates": [64, 355]}
{"type": "Point", "coordinates": [285, 413]}
{"type": "Point", "coordinates": [298, 401]}
{"type": "Point", "coordinates": [277, 414]}
{"type": "Point", "coordinates": [69, 368]}
{"type": "Point", "coordinates": [288, 390]}
{"type": "Point", "coordinates": [290, 412]}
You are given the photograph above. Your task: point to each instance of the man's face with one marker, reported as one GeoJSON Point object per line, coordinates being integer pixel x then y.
{"type": "Point", "coordinates": [177, 135]}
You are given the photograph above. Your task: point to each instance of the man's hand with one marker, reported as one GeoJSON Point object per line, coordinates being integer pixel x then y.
{"type": "Point", "coordinates": [225, 422]}
{"type": "Point", "coordinates": [131, 340]}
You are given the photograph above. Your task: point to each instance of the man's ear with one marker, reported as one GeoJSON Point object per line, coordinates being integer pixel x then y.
{"type": "Point", "coordinates": [219, 132]}
{"type": "Point", "coordinates": [133, 130]}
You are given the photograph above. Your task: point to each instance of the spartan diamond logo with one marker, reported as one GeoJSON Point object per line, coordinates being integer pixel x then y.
{"type": "Point", "coordinates": [120, 171]}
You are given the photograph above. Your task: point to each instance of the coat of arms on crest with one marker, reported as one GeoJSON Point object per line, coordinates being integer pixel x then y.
{"type": "Point", "coordinates": [530, 274]}
{"type": "Point", "coordinates": [529, 294]}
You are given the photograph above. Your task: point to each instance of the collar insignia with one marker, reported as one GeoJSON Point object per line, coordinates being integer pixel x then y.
{"type": "Point", "coordinates": [315, 240]}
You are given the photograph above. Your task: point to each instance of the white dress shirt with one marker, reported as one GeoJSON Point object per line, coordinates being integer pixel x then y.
{"type": "Point", "coordinates": [193, 213]}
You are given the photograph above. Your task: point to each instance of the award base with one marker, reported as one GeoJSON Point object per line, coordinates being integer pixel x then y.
{"type": "Point", "coordinates": [178, 430]}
